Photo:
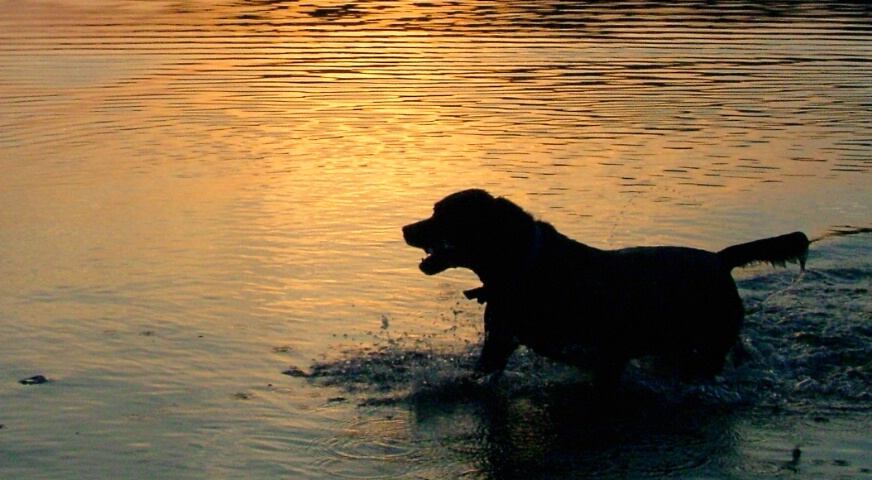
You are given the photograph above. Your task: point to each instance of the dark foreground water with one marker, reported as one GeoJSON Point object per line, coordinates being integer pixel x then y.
{"type": "Point", "coordinates": [794, 403]}
{"type": "Point", "coordinates": [200, 206]}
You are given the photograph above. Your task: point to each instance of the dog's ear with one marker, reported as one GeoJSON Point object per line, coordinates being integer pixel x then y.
{"type": "Point", "coordinates": [511, 218]}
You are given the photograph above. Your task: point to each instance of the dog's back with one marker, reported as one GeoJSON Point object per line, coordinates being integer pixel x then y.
{"type": "Point", "coordinates": [637, 301]}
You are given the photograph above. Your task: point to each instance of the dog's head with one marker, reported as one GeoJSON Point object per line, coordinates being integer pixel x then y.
{"type": "Point", "coordinates": [471, 229]}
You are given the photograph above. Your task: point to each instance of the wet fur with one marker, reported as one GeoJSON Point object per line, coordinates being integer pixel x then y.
{"type": "Point", "coordinates": [585, 306]}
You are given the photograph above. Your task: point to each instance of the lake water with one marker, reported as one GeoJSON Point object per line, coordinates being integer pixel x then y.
{"type": "Point", "coordinates": [199, 195]}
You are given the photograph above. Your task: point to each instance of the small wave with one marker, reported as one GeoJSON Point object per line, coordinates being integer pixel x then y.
{"type": "Point", "coordinates": [843, 231]}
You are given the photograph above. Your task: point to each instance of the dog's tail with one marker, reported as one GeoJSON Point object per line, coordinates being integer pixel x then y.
{"type": "Point", "coordinates": [792, 248]}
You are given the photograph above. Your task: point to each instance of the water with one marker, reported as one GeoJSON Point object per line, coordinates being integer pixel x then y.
{"type": "Point", "coordinates": [199, 195]}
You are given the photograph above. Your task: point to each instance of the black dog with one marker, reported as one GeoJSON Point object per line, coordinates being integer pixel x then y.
{"type": "Point", "coordinates": [586, 306]}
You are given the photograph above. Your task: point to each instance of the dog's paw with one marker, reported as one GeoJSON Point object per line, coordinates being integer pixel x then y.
{"type": "Point", "coordinates": [478, 294]}
{"type": "Point", "coordinates": [483, 378]}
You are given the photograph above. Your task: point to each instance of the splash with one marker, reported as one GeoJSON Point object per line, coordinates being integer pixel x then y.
{"type": "Point", "coordinates": [807, 339]}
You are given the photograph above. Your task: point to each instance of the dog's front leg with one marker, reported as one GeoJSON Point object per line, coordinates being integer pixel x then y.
{"type": "Point", "coordinates": [499, 342]}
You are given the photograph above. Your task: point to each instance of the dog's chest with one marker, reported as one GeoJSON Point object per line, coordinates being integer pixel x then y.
{"type": "Point", "coordinates": [543, 316]}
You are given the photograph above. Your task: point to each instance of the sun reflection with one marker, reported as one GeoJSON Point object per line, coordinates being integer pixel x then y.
{"type": "Point", "coordinates": [198, 193]}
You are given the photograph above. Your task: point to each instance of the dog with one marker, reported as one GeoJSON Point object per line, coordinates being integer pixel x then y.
{"type": "Point", "coordinates": [585, 306]}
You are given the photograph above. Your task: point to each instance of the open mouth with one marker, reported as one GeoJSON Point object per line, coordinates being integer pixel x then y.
{"type": "Point", "coordinates": [441, 254]}
{"type": "Point", "coordinates": [438, 258]}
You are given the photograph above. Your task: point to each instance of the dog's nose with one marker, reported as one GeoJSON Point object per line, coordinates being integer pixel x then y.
{"type": "Point", "coordinates": [406, 232]}
{"type": "Point", "coordinates": [412, 233]}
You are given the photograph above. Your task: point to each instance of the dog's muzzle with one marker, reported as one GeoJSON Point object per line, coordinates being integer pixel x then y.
{"type": "Point", "coordinates": [438, 250]}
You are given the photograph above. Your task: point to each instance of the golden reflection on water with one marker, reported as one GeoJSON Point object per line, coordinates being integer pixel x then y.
{"type": "Point", "coordinates": [280, 146]}
{"type": "Point", "coordinates": [196, 194]}
{"type": "Point", "coordinates": [309, 134]}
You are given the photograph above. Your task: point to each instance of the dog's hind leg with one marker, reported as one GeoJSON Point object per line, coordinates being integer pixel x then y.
{"type": "Point", "coordinates": [704, 363]}
{"type": "Point", "coordinates": [710, 364]}
{"type": "Point", "coordinates": [709, 356]}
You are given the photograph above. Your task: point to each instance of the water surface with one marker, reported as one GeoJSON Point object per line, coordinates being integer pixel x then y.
{"type": "Point", "coordinates": [198, 195]}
